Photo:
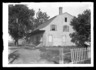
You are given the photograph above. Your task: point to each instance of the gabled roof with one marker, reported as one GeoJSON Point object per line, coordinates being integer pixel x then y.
{"type": "Point", "coordinates": [49, 21]}
{"type": "Point", "coordinates": [46, 23]}
{"type": "Point", "coordinates": [68, 14]}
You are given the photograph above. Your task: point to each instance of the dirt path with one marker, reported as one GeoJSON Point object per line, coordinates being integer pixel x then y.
{"type": "Point", "coordinates": [30, 56]}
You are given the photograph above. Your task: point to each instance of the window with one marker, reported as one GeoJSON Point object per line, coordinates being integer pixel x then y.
{"type": "Point", "coordinates": [53, 27]}
{"type": "Point", "coordinates": [66, 28]}
{"type": "Point", "coordinates": [50, 38]}
{"type": "Point", "coordinates": [64, 38]}
{"type": "Point", "coordinates": [65, 19]}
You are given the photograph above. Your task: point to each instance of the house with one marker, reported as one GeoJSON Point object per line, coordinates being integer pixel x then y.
{"type": "Point", "coordinates": [54, 32]}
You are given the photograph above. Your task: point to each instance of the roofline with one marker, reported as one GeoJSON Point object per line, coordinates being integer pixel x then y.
{"type": "Point", "coordinates": [67, 13]}
{"type": "Point", "coordinates": [53, 18]}
{"type": "Point", "coordinates": [46, 22]}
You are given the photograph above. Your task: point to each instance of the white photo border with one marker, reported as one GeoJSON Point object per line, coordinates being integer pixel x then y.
{"type": "Point", "coordinates": [5, 40]}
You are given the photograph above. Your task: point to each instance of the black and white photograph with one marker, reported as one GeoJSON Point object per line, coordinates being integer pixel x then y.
{"type": "Point", "coordinates": [48, 34]}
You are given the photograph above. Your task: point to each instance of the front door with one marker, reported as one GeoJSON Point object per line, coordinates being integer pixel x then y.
{"type": "Point", "coordinates": [57, 41]}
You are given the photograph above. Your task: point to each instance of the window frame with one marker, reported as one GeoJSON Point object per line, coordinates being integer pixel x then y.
{"type": "Point", "coordinates": [50, 38]}
{"type": "Point", "coordinates": [65, 19]}
{"type": "Point", "coordinates": [64, 38]}
{"type": "Point", "coordinates": [53, 27]}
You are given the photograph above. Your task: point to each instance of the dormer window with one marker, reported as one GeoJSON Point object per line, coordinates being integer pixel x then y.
{"type": "Point", "coordinates": [65, 19]}
{"type": "Point", "coordinates": [53, 27]}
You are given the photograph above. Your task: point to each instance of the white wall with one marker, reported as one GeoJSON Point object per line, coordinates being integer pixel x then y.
{"type": "Point", "coordinates": [59, 22]}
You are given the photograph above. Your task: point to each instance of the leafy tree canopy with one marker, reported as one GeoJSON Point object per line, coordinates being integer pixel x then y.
{"type": "Point", "coordinates": [41, 17]}
{"type": "Point", "coordinates": [81, 25]}
{"type": "Point", "coordinates": [19, 21]}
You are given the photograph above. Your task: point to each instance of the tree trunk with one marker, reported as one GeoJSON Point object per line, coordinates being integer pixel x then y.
{"type": "Point", "coordinates": [16, 42]}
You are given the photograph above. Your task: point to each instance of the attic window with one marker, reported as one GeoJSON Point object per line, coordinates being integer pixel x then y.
{"type": "Point", "coordinates": [65, 19]}
{"type": "Point", "coordinates": [53, 27]}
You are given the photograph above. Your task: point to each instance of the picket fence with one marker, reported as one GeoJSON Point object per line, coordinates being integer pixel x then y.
{"type": "Point", "coordinates": [77, 55]}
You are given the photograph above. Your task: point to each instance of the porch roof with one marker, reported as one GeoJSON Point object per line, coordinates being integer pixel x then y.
{"type": "Point", "coordinates": [35, 32]}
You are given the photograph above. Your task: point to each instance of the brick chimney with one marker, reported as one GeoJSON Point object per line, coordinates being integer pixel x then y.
{"type": "Point", "coordinates": [60, 10]}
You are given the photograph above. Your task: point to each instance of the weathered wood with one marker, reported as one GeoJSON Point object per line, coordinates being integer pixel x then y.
{"type": "Point", "coordinates": [78, 55]}
{"type": "Point", "coordinates": [61, 61]}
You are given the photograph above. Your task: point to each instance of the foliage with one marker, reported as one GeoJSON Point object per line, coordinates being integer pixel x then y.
{"type": "Point", "coordinates": [19, 21]}
{"type": "Point", "coordinates": [81, 25]}
{"type": "Point", "coordinates": [41, 18]}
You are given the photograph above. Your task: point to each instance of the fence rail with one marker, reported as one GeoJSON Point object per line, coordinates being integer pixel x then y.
{"type": "Point", "coordinates": [78, 55]}
{"type": "Point", "coordinates": [67, 55]}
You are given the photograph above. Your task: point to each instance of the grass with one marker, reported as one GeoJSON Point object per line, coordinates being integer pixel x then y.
{"type": "Point", "coordinates": [85, 62]}
{"type": "Point", "coordinates": [53, 54]}
{"type": "Point", "coordinates": [25, 56]}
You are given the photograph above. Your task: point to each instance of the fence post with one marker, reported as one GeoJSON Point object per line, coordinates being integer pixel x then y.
{"type": "Point", "coordinates": [72, 55]}
{"type": "Point", "coordinates": [61, 60]}
{"type": "Point", "coordinates": [78, 54]}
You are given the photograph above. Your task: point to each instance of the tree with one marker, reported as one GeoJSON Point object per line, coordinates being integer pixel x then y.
{"type": "Point", "coordinates": [19, 21]}
{"type": "Point", "coordinates": [81, 25]}
{"type": "Point", "coordinates": [41, 17]}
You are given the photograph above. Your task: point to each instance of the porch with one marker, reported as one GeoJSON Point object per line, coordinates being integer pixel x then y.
{"type": "Point", "coordinates": [35, 37]}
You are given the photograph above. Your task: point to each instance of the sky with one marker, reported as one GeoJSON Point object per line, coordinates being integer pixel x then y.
{"type": "Point", "coordinates": [52, 8]}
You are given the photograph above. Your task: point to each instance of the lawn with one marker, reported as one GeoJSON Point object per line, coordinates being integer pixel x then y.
{"type": "Point", "coordinates": [53, 54]}
{"type": "Point", "coordinates": [42, 55]}
{"type": "Point", "coordinates": [50, 54]}
{"type": "Point", "coordinates": [26, 56]}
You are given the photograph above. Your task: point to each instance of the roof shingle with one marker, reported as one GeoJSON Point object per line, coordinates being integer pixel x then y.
{"type": "Point", "coordinates": [46, 23]}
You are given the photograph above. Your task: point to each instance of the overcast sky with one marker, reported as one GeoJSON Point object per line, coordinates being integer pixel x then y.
{"type": "Point", "coordinates": [52, 9]}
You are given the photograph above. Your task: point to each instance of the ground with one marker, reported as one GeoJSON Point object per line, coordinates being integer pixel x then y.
{"type": "Point", "coordinates": [31, 55]}
{"type": "Point", "coordinates": [27, 56]}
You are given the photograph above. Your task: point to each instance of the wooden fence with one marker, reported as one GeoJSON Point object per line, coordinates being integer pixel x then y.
{"type": "Point", "coordinates": [77, 55]}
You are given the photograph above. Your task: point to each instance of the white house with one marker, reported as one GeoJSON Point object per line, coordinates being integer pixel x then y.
{"type": "Point", "coordinates": [55, 32]}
